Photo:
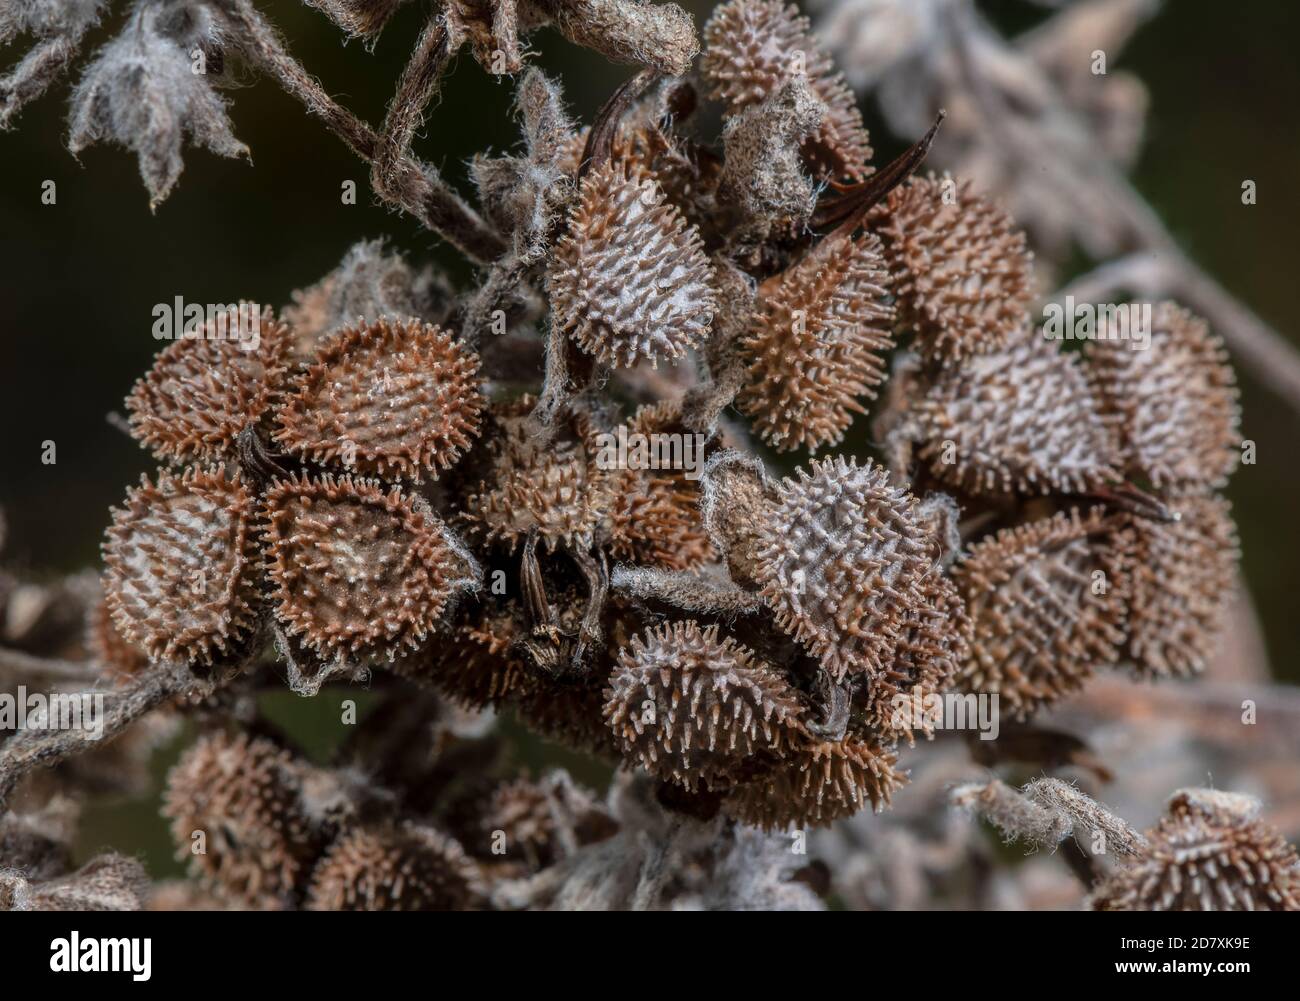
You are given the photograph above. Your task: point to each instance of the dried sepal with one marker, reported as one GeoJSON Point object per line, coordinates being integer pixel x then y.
{"type": "Point", "coordinates": [206, 388]}
{"type": "Point", "coordinates": [391, 398]}
{"type": "Point", "coordinates": [1048, 601]}
{"type": "Point", "coordinates": [630, 279]}
{"type": "Point", "coordinates": [736, 499]}
{"type": "Point", "coordinates": [358, 570]}
{"type": "Point", "coordinates": [698, 708]}
{"type": "Point", "coordinates": [58, 29]}
{"type": "Point", "coordinates": [754, 47]}
{"type": "Point", "coordinates": [358, 18]}
{"type": "Point", "coordinates": [963, 273]}
{"type": "Point", "coordinates": [1174, 404]}
{"type": "Point", "coordinates": [180, 559]}
{"type": "Point", "coordinates": [659, 35]}
{"type": "Point", "coordinates": [1210, 852]}
{"type": "Point", "coordinates": [816, 345]}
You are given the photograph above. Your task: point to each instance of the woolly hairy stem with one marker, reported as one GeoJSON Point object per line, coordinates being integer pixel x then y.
{"type": "Point", "coordinates": [1086, 812]}
{"type": "Point", "coordinates": [411, 186]}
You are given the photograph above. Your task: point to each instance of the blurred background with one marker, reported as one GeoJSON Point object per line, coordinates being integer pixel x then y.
{"type": "Point", "coordinates": [79, 279]}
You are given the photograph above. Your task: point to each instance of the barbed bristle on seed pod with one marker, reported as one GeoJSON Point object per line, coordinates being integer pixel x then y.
{"type": "Point", "coordinates": [1210, 852]}
{"type": "Point", "coordinates": [817, 783]}
{"type": "Point", "coordinates": [1047, 600]}
{"type": "Point", "coordinates": [242, 796]}
{"type": "Point", "coordinates": [754, 47]}
{"type": "Point", "coordinates": [1183, 577]}
{"type": "Point", "coordinates": [358, 570]}
{"type": "Point", "coordinates": [842, 563]}
{"type": "Point", "coordinates": [180, 561]}
{"type": "Point", "coordinates": [203, 391]}
{"type": "Point", "coordinates": [630, 279]}
{"type": "Point", "coordinates": [695, 708]}
{"type": "Point", "coordinates": [105, 643]}
{"type": "Point", "coordinates": [1173, 404]}
{"type": "Point", "coordinates": [1021, 420]}
{"type": "Point", "coordinates": [816, 345]}
{"type": "Point", "coordinates": [962, 270]}
{"type": "Point", "coordinates": [395, 867]}
{"type": "Point", "coordinates": [391, 398]}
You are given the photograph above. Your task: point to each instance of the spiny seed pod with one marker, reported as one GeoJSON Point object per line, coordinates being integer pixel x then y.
{"type": "Point", "coordinates": [242, 794]}
{"type": "Point", "coordinates": [630, 279]}
{"type": "Point", "coordinates": [537, 818]}
{"type": "Point", "coordinates": [202, 392]}
{"type": "Point", "coordinates": [478, 666]}
{"type": "Point", "coordinates": [358, 571]}
{"type": "Point", "coordinates": [816, 344]}
{"type": "Point", "coordinates": [754, 47]}
{"type": "Point", "coordinates": [551, 487]}
{"type": "Point", "coordinates": [843, 560]}
{"type": "Point", "coordinates": [817, 783]}
{"type": "Point", "coordinates": [1211, 852]}
{"type": "Point", "coordinates": [1021, 420]}
{"type": "Point", "coordinates": [962, 271]}
{"type": "Point", "coordinates": [391, 398]}
{"type": "Point", "coordinates": [103, 641]}
{"type": "Point", "coordinates": [1182, 577]}
{"type": "Point", "coordinates": [696, 708]}
{"type": "Point", "coordinates": [1174, 404]}
{"type": "Point", "coordinates": [406, 867]}
{"type": "Point", "coordinates": [180, 564]}
{"type": "Point", "coordinates": [1047, 600]}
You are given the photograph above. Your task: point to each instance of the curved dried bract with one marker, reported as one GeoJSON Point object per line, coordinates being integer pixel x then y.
{"type": "Point", "coordinates": [630, 279]}
{"type": "Point", "coordinates": [816, 345]}
{"type": "Point", "coordinates": [736, 499]}
{"type": "Point", "coordinates": [180, 562]}
{"type": "Point", "coordinates": [1022, 420]}
{"type": "Point", "coordinates": [392, 398]}
{"type": "Point", "coordinates": [1183, 576]}
{"type": "Point", "coordinates": [1047, 600]}
{"type": "Point", "coordinates": [243, 796]}
{"type": "Point", "coordinates": [754, 47]}
{"type": "Point", "coordinates": [356, 570]}
{"type": "Point", "coordinates": [396, 867]}
{"type": "Point", "coordinates": [696, 708]}
{"type": "Point", "coordinates": [962, 270]}
{"type": "Point", "coordinates": [843, 562]}
{"type": "Point", "coordinates": [1210, 852]}
{"type": "Point", "coordinates": [202, 392]}
{"type": "Point", "coordinates": [818, 783]}
{"type": "Point", "coordinates": [1173, 405]}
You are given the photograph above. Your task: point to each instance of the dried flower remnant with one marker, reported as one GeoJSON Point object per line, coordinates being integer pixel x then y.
{"type": "Point", "coordinates": [1174, 405]}
{"type": "Point", "coordinates": [202, 392]}
{"type": "Point", "coordinates": [962, 271]}
{"type": "Point", "coordinates": [736, 498]}
{"type": "Point", "coordinates": [390, 398]}
{"type": "Point", "coordinates": [754, 47]}
{"type": "Point", "coordinates": [630, 279]}
{"type": "Point", "coordinates": [358, 571]}
{"type": "Point", "coordinates": [1048, 602]}
{"type": "Point", "coordinates": [816, 345]}
{"type": "Point", "coordinates": [399, 867]}
{"type": "Point", "coordinates": [1210, 852]}
{"type": "Point", "coordinates": [189, 537]}
{"type": "Point", "coordinates": [698, 708]}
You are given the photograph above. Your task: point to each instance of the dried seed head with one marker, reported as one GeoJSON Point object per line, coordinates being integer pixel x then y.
{"type": "Point", "coordinates": [630, 279]}
{"type": "Point", "coordinates": [737, 497]}
{"type": "Point", "coordinates": [962, 271]}
{"type": "Point", "coordinates": [1182, 576]}
{"type": "Point", "coordinates": [243, 795]}
{"type": "Point", "coordinates": [1021, 420]}
{"type": "Point", "coordinates": [695, 708]}
{"type": "Point", "coordinates": [1211, 852]}
{"type": "Point", "coordinates": [180, 565]}
{"type": "Point", "coordinates": [816, 344]}
{"type": "Point", "coordinates": [389, 398]}
{"type": "Point", "coordinates": [202, 392]}
{"type": "Point", "coordinates": [1047, 600]}
{"type": "Point", "coordinates": [818, 783]}
{"type": "Point", "coordinates": [754, 47]}
{"type": "Point", "coordinates": [1174, 405]}
{"type": "Point", "coordinates": [843, 561]}
{"type": "Point", "coordinates": [406, 867]}
{"type": "Point", "coordinates": [358, 571]}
